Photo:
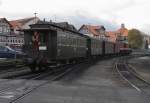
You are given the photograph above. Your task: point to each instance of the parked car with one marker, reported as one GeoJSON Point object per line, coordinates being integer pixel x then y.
{"type": "Point", "coordinates": [7, 52]}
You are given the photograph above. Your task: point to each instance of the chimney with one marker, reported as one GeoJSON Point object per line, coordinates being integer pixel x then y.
{"type": "Point", "coordinates": [122, 25]}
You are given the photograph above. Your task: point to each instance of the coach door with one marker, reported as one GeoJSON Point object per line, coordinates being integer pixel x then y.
{"type": "Point", "coordinates": [43, 41]}
{"type": "Point", "coordinates": [52, 44]}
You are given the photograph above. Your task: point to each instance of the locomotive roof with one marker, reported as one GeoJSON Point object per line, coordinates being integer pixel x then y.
{"type": "Point", "coordinates": [50, 26]}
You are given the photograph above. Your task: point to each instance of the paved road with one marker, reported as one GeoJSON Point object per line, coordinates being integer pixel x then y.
{"type": "Point", "coordinates": [97, 83]}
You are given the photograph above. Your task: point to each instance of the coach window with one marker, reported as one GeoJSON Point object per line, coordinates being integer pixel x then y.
{"type": "Point", "coordinates": [80, 43]}
{"type": "Point", "coordinates": [58, 40]}
{"type": "Point", "coordinates": [42, 39]}
{"type": "Point", "coordinates": [71, 41]}
{"type": "Point", "coordinates": [74, 42]}
{"type": "Point", "coordinates": [62, 40]}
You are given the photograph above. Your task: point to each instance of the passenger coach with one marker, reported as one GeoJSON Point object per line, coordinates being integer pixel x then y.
{"type": "Point", "coordinates": [50, 44]}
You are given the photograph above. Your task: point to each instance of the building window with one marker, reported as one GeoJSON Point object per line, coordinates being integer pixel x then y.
{"type": "Point", "coordinates": [1, 29]}
{"type": "Point", "coordinates": [5, 29]}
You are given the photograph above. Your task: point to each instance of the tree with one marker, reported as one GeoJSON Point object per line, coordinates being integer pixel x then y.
{"type": "Point", "coordinates": [135, 39]}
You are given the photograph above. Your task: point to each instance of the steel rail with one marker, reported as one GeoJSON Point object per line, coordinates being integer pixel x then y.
{"type": "Point", "coordinates": [133, 78]}
{"type": "Point", "coordinates": [58, 76]}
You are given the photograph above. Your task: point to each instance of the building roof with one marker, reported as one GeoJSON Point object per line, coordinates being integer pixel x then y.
{"type": "Point", "coordinates": [20, 22]}
{"type": "Point", "coordinates": [93, 29]}
{"type": "Point", "coordinates": [15, 24]}
{"type": "Point", "coordinates": [123, 31]}
{"type": "Point", "coordinates": [65, 25]}
{"type": "Point", "coordinates": [111, 36]}
{"type": "Point", "coordinates": [6, 21]}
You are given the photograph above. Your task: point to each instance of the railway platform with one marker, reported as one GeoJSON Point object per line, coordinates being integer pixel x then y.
{"type": "Point", "coordinates": [91, 83]}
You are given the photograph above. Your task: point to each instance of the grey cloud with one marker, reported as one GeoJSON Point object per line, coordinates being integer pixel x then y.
{"type": "Point", "coordinates": [78, 20]}
{"type": "Point", "coordinates": [145, 28]}
{"type": "Point", "coordinates": [119, 7]}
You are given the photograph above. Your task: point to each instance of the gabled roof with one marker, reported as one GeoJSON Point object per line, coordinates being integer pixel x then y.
{"type": "Point", "coordinates": [20, 22]}
{"type": "Point", "coordinates": [66, 25]}
{"type": "Point", "coordinates": [15, 24]}
{"type": "Point", "coordinates": [93, 29]}
{"type": "Point", "coordinates": [123, 31]}
{"type": "Point", "coordinates": [6, 21]}
{"type": "Point", "coordinates": [111, 36]}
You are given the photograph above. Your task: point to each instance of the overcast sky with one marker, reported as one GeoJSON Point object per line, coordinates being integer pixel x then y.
{"type": "Point", "coordinates": [110, 13]}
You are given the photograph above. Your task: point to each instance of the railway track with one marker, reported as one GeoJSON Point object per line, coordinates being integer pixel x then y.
{"type": "Point", "coordinates": [49, 76]}
{"type": "Point", "coordinates": [131, 77]}
{"type": "Point", "coordinates": [25, 73]}
{"type": "Point", "coordinates": [14, 72]}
